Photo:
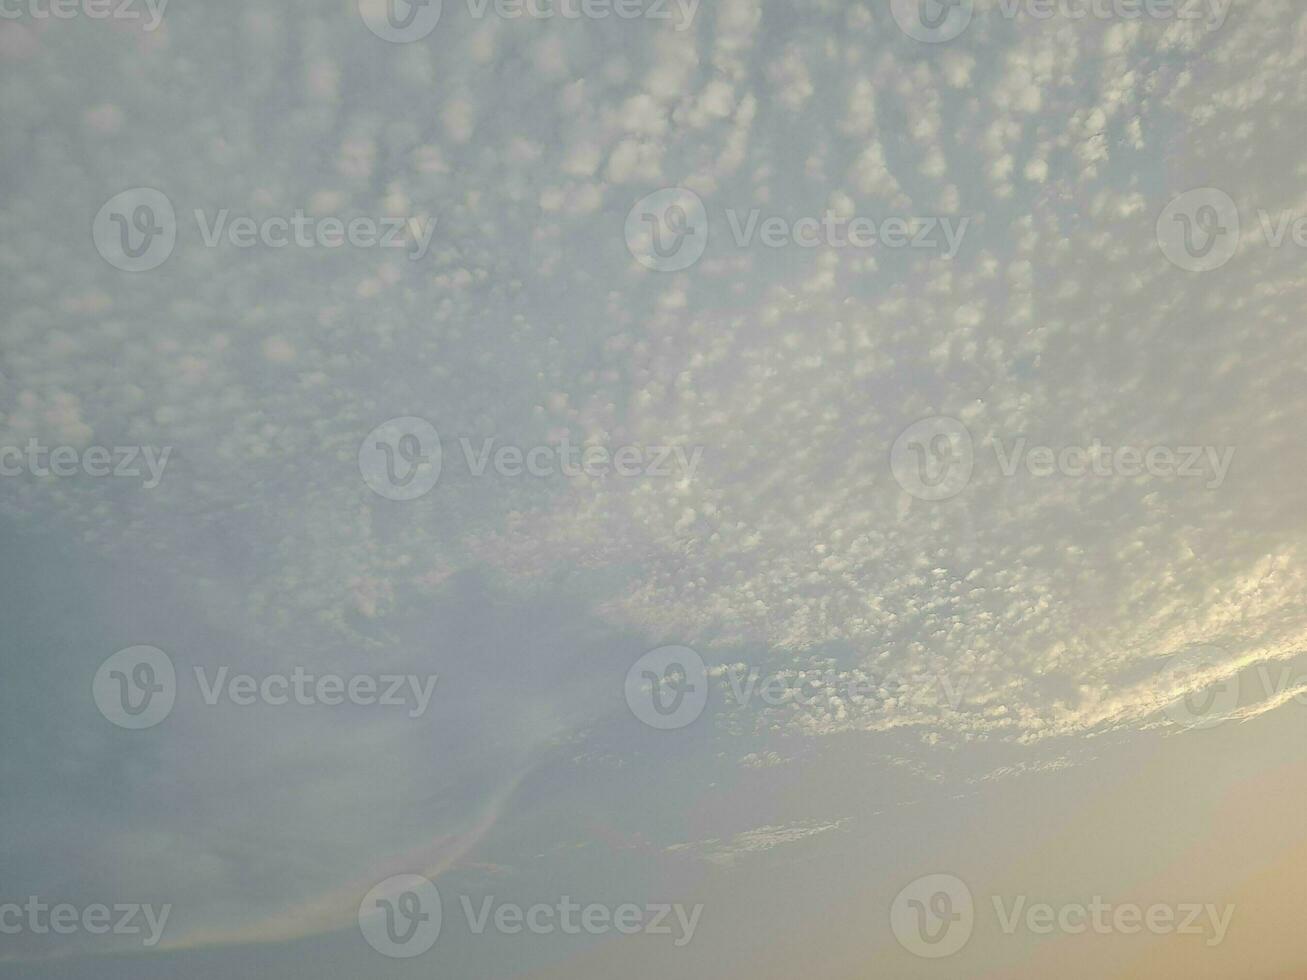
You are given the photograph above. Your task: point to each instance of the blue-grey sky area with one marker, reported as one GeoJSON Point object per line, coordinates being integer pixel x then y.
{"type": "Point", "coordinates": [578, 488]}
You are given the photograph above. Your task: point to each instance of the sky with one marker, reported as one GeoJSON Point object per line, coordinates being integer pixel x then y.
{"type": "Point", "coordinates": [574, 488]}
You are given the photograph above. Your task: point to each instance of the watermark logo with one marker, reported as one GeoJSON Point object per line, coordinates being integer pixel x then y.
{"type": "Point", "coordinates": [933, 916]}
{"type": "Point", "coordinates": [400, 21]}
{"type": "Point", "coordinates": [400, 917]}
{"type": "Point", "coordinates": [136, 687]}
{"type": "Point", "coordinates": [1199, 230]}
{"type": "Point", "coordinates": [136, 230]}
{"type": "Point", "coordinates": [1203, 694]}
{"type": "Point", "coordinates": [667, 688]}
{"type": "Point", "coordinates": [933, 459]}
{"type": "Point", "coordinates": [401, 458]}
{"type": "Point", "coordinates": [932, 21]}
{"type": "Point", "coordinates": [667, 231]}
{"type": "Point", "coordinates": [670, 687]}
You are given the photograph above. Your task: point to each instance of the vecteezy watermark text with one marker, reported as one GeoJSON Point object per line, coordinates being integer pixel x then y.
{"type": "Point", "coordinates": [934, 459]}
{"type": "Point", "coordinates": [40, 460]}
{"type": "Point", "coordinates": [405, 21]}
{"type": "Point", "coordinates": [822, 688]}
{"type": "Point", "coordinates": [934, 916]}
{"type": "Point", "coordinates": [1210, 463]}
{"type": "Point", "coordinates": [1213, 12]}
{"type": "Point", "coordinates": [136, 230]}
{"type": "Point", "coordinates": [306, 689]}
{"type": "Point", "coordinates": [120, 919]}
{"type": "Point", "coordinates": [937, 21]}
{"type": "Point", "coordinates": [402, 459]}
{"type": "Point", "coordinates": [668, 230]}
{"type": "Point", "coordinates": [303, 231]}
{"type": "Point", "coordinates": [402, 916]}
{"type": "Point", "coordinates": [137, 688]}
{"type": "Point", "coordinates": [571, 918]}
{"type": "Point", "coordinates": [92, 9]}
{"type": "Point", "coordinates": [669, 687]}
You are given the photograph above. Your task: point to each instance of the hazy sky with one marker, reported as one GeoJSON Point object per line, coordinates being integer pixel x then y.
{"type": "Point", "coordinates": [817, 483]}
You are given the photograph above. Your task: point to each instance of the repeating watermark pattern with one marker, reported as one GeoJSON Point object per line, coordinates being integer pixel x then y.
{"type": "Point", "coordinates": [832, 230]}
{"type": "Point", "coordinates": [37, 459]}
{"type": "Point", "coordinates": [151, 11]}
{"type": "Point", "coordinates": [1287, 226]}
{"type": "Point", "coordinates": [668, 230]}
{"type": "Point", "coordinates": [400, 21]}
{"type": "Point", "coordinates": [1205, 686]}
{"type": "Point", "coordinates": [137, 688]}
{"type": "Point", "coordinates": [1213, 12]}
{"type": "Point", "coordinates": [136, 231]}
{"type": "Point", "coordinates": [402, 916]}
{"type": "Point", "coordinates": [405, 21]}
{"type": "Point", "coordinates": [42, 918]}
{"type": "Point", "coordinates": [410, 691]}
{"type": "Point", "coordinates": [1287, 686]}
{"type": "Point", "coordinates": [934, 459]}
{"type": "Point", "coordinates": [402, 459]}
{"type": "Point", "coordinates": [1201, 230]}
{"type": "Point", "coordinates": [935, 915]}
{"type": "Point", "coordinates": [937, 21]}
{"type": "Point", "coordinates": [932, 21]}
{"type": "Point", "coordinates": [563, 458]}
{"type": "Point", "coordinates": [668, 688]}
{"type": "Point", "coordinates": [1207, 463]}
{"type": "Point", "coordinates": [823, 688]}
{"type": "Point", "coordinates": [594, 919]}
{"type": "Point", "coordinates": [303, 231]}
{"type": "Point", "coordinates": [1105, 918]}
{"type": "Point", "coordinates": [1209, 695]}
